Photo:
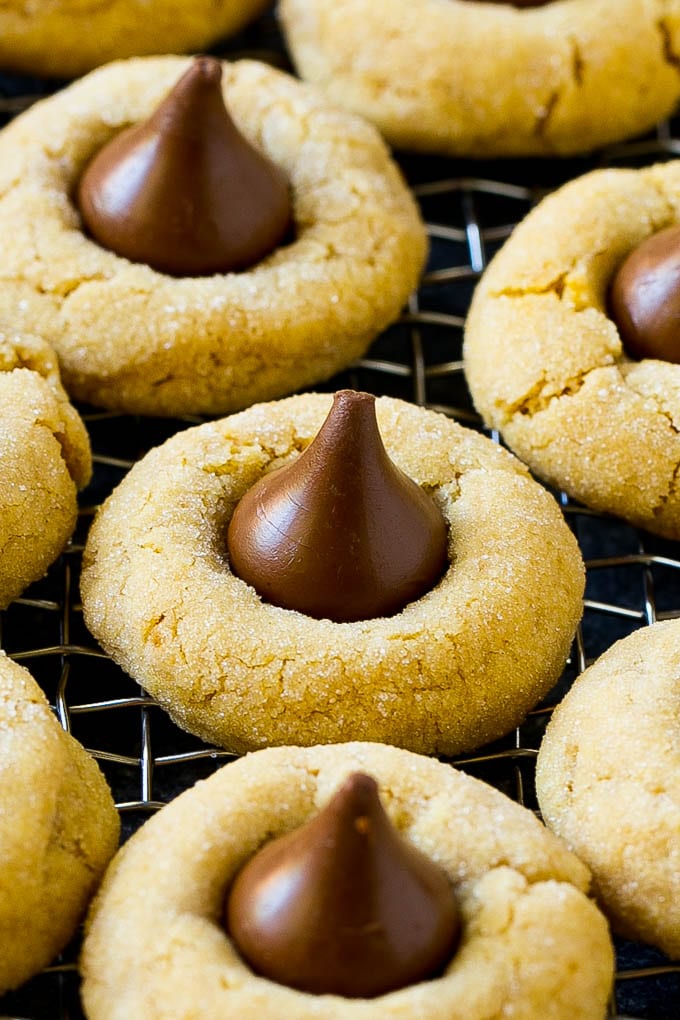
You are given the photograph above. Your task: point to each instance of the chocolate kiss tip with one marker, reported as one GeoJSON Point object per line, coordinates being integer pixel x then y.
{"type": "Point", "coordinates": [209, 68]}
{"type": "Point", "coordinates": [344, 905]}
{"type": "Point", "coordinates": [184, 192]}
{"type": "Point", "coordinates": [341, 533]}
{"type": "Point", "coordinates": [520, 3]}
{"type": "Point", "coordinates": [358, 784]}
{"type": "Point", "coordinates": [204, 73]}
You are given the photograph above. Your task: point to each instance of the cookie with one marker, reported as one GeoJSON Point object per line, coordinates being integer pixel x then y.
{"type": "Point", "coordinates": [545, 362]}
{"type": "Point", "coordinates": [455, 668]}
{"type": "Point", "coordinates": [69, 37]}
{"type": "Point", "coordinates": [58, 828]}
{"type": "Point", "coordinates": [137, 340]}
{"type": "Point", "coordinates": [45, 455]}
{"type": "Point", "coordinates": [530, 936]}
{"type": "Point", "coordinates": [466, 78]}
{"type": "Point", "coordinates": [608, 781]}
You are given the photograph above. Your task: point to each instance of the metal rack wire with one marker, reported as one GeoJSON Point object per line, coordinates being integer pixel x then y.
{"type": "Point", "coordinates": [633, 579]}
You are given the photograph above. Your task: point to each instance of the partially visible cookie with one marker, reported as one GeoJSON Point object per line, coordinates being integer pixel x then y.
{"type": "Point", "coordinates": [58, 828]}
{"type": "Point", "coordinates": [138, 340]}
{"type": "Point", "coordinates": [45, 457]}
{"type": "Point", "coordinates": [545, 361]}
{"type": "Point", "coordinates": [608, 781]}
{"type": "Point", "coordinates": [68, 37]}
{"type": "Point", "coordinates": [468, 78]}
{"type": "Point", "coordinates": [455, 668]}
{"type": "Point", "coordinates": [532, 943]}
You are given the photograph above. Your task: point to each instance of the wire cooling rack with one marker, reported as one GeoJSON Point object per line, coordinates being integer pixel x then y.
{"type": "Point", "coordinates": [633, 579]}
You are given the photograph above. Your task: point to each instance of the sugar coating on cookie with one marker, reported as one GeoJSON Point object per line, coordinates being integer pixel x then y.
{"type": "Point", "coordinates": [608, 781]}
{"type": "Point", "coordinates": [545, 362]}
{"type": "Point", "coordinates": [137, 340]}
{"type": "Point", "coordinates": [455, 668]}
{"type": "Point", "coordinates": [69, 37]}
{"type": "Point", "coordinates": [45, 456]}
{"type": "Point", "coordinates": [468, 78]}
{"type": "Point", "coordinates": [532, 943]}
{"type": "Point", "coordinates": [58, 828]}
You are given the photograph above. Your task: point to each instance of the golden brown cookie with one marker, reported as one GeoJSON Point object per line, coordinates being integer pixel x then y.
{"type": "Point", "coordinates": [58, 828]}
{"type": "Point", "coordinates": [68, 37]}
{"type": "Point", "coordinates": [532, 945]}
{"type": "Point", "coordinates": [488, 79]}
{"type": "Point", "coordinates": [45, 456]}
{"type": "Point", "coordinates": [545, 362]}
{"type": "Point", "coordinates": [608, 781]}
{"type": "Point", "coordinates": [134, 339]}
{"type": "Point", "coordinates": [455, 668]}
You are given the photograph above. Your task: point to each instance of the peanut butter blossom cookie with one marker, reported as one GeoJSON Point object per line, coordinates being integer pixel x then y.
{"type": "Point", "coordinates": [608, 781]}
{"type": "Point", "coordinates": [355, 881]}
{"type": "Point", "coordinates": [45, 458]}
{"type": "Point", "coordinates": [182, 257]}
{"type": "Point", "coordinates": [58, 828]}
{"type": "Point", "coordinates": [68, 37]}
{"type": "Point", "coordinates": [463, 77]}
{"type": "Point", "coordinates": [571, 348]}
{"type": "Point", "coordinates": [301, 573]}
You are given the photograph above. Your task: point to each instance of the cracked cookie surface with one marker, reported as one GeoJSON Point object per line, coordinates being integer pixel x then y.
{"type": "Point", "coordinates": [45, 456]}
{"type": "Point", "coordinates": [476, 79]}
{"type": "Point", "coordinates": [456, 668]}
{"type": "Point", "coordinates": [608, 781]}
{"type": "Point", "coordinates": [533, 945]}
{"type": "Point", "coordinates": [136, 340]}
{"type": "Point", "coordinates": [69, 37]}
{"type": "Point", "coordinates": [58, 828]}
{"type": "Point", "coordinates": [546, 366]}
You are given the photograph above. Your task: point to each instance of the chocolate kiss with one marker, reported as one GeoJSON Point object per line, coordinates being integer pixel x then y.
{"type": "Point", "coordinates": [341, 533]}
{"type": "Point", "coordinates": [184, 192]}
{"type": "Point", "coordinates": [645, 298]}
{"type": "Point", "coordinates": [344, 905]}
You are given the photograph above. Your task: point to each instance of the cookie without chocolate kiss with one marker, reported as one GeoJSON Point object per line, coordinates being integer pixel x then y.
{"type": "Point", "coordinates": [45, 457]}
{"type": "Point", "coordinates": [58, 829]}
{"type": "Point", "coordinates": [465, 78]}
{"type": "Point", "coordinates": [455, 668]}
{"type": "Point", "coordinates": [608, 781]}
{"type": "Point", "coordinates": [66, 39]}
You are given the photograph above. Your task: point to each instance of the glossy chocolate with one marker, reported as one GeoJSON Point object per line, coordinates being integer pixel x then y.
{"type": "Point", "coordinates": [644, 298]}
{"type": "Point", "coordinates": [341, 533]}
{"type": "Point", "coordinates": [184, 192]}
{"type": "Point", "coordinates": [344, 905]}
